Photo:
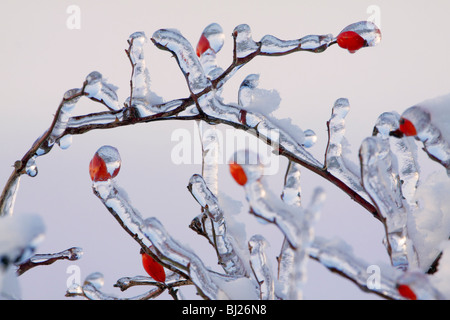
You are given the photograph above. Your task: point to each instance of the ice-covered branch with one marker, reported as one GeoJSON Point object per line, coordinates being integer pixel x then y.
{"type": "Point", "coordinates": [70, 254]}
{"type": "Point", "coordinates": [247, 170]}
{"type": "Point", "coordinates": [381, 181]}
{"type": "Point", "coordinates": [261, 268]}
{"type": "Point", "coordinates": [91, 289]}
{"type": "Point", "coordinates": [338, 257]}
{"type": "Point", "coordinates": [336, 161]}
{"type": "Point", "coordinates": [150, 232]}
{"type": "Point", "coordinates": [216, 229]}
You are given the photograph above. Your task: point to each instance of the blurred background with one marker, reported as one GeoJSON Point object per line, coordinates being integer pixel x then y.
{"type": "Point", "coordinates": [45, 53]}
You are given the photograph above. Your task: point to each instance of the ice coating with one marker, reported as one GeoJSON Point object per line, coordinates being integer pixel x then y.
{"type": "Point", "coordinates": [140, 77]}
{"type": "Point", "coordinates": [216, 228]}
{"type": "Point", "coordinates": [264, 203]}
{"type": "Point", "coordinates": [150, 232]}
{"type": "Point", "coordinates": [381, 182]}
{"type": "Point", "coordinates": [270, 130]}
{"type": "Point", "coordinates": [205, 197]}
{"type": "Point", "coordinates": [63, 117]}
{"type": "Point", "coordinates": [314, 43]}
{"type": "Point", "coordinates": [261, 268]}
{"type": "Point", "coordinates": [291, 195]}
{"type": "Point", "coordinates": [336, 161]}
{"type": "Point", "coordinates": [244, 43]}
{"type": "Point", "coordinates": [292, 189]}
{"type": "Point", "coordinates": [31, 167]}
{"type": "Point", "coordinates": [338, 256]}
{"type": "Point", "coordinates": [188, 61]}
{"type": "Point", "coordinates": [9, 197]}
{"type": "Point", "coordinates": [431, 120]}
{"type": "Point", "coordinates": [367, 30]}
{"type": "Point", "coordinates": [177, 255]}
{"type": "Point", "coordinates": [210, 155]}
{"type": "Point", "coordinates": [112, 159]}
{"type": "Point", "coordinates": [405, 153]}
{"type": "Point", "coordinates": [215, 38]}
{"type": "Point", "coordinates": [99, 90]}
{"type": "Point", "coordinates": [310, 138]}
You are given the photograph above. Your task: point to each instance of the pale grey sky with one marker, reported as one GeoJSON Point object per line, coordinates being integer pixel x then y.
{"type": "Point", "coordinates": [41, 58]}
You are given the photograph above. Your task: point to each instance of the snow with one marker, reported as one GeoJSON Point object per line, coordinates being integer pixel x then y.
{"type": "Point", "coordinates": [429, 225]}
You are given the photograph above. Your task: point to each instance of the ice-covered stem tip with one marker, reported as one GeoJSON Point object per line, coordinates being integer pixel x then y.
{"type": "Point", "coordinates": [381, 181]}
{"type": "Point", "coordinates": [429, 122]}
{"type": "Point", "coordinates": [151, 233]}
{"type": "Point", "coordinates": [36, 260]}
{"type": "Point", "coordinates": [91, 290]}
{"type": "Point", "coordinates": [404, 154]}
{"type": "Point", "coordinates": [247, 170]}
{"type": "Point", "coordinates": [215, 227]}
{"type": "Point", "coordinates": [261, 268]}
{"type": "Point", "coordinates": [336, 159]}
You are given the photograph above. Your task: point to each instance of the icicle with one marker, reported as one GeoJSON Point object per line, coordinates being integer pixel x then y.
{"type": "Point", "coordinates": [245, 45]}
{"type": "Point", "coordinates": [261, 268]}
{"type": "Point", "coordinates": [381, 182]}
{"type": "Point", "coordinates": [99, 90]}
{"type": "Point", "coordinates": [335, 157]}
{"type": "Point", "coordinates": [338, 256]}
{"type": "Point", "coordinates": [217, 232]}
{"type": "Point", "coordinates": [210, 155]}
{"type": "Point", "coordinates": [173, 41]}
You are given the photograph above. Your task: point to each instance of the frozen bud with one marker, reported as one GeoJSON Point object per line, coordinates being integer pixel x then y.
{"type": "Point", "coordinates": [245, 166]}
{"type": "Point", "coordinates": [211, 38]}
{"type": "Point", "coordinates": [358, 35]}
{"type": "Point", "coordinates": [105, 164]}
